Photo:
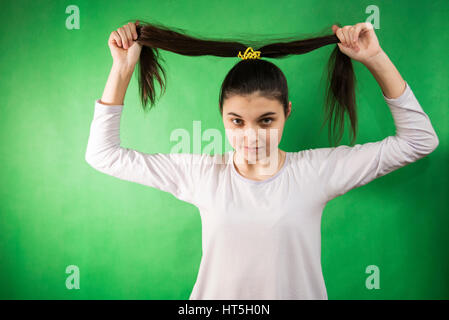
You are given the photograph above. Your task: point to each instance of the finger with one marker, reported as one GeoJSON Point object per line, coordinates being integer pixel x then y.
{"type": "Point", "coordinates": [129, 36]}
{"type": "Point", "coordinates": [115, 36]}
{"type": "Point", "coordinates": [132, 26]}
{"type": "Point", "coordinates": [368, 26]}
{"type": "Point", "coordinates": [342, 36]}
{"type": "Point", "coordinates": [339, 35]}
{"type": "Point", "coordinates": [348, 42]}
{"type": "Point", "coordinates": [123, 37]}
{"type": "Point", "coordinates": [334, 28]}
{"type": "Point", "coordinates": [357, 29]}
{"type": "Point", "coordinates": [352, 36]}
{"type": "Point", "coordinates": [370, 30]}
{"type": "Point", "coordinates": [352, 32]}
{"type": "Point", "coordinates": [357, 33]}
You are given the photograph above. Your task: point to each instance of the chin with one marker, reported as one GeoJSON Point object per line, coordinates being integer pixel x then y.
{"type": "Point", "coordinates": [258, 153]}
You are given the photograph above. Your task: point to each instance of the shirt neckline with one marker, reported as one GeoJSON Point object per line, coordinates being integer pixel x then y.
{"type": "Point", "coordinates": [287, 157]}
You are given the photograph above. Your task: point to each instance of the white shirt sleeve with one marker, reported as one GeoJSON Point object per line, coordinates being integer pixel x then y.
{"type": "Point", "coordinates": [343, 168]}
{"type": "Point", "coordinates": [168, 172]}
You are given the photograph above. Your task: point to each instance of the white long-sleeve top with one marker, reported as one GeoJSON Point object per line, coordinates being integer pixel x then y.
{"type": "Point", "coordinates": [262, 239]}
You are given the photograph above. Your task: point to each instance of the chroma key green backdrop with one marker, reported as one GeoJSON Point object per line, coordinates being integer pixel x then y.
{"type": "Point", "coordinates": [129, 241]}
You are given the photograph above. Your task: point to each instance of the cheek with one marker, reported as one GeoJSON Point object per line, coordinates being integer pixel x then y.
{"type": "Point", "coordinates": [234, 137]}
{"type": "Point", "coordinates": [273, 136]}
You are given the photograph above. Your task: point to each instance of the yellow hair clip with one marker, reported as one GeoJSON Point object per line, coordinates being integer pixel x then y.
{"type": "Point", "coordinates": [249, 55]}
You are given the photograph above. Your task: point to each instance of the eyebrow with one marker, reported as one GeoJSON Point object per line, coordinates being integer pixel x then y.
{"type": "Point", "coordinates": [264, 115]}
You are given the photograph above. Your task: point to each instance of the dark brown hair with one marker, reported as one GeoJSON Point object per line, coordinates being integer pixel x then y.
{"type": "Point", "coordinates": [251, 75]}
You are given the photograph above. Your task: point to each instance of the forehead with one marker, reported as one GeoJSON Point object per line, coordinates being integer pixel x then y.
{"type": "Point", "coordinates": [250, 105]}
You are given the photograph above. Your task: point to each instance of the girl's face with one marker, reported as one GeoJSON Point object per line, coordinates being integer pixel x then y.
{"type": "Point", "coordinates": [254, 125]}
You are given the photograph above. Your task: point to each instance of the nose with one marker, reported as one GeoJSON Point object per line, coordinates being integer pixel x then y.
{"type": "Point", "coordinates": [252, 136]}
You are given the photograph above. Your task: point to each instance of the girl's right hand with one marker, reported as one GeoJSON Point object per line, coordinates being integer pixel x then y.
{"type": "Point", "coordinates": [125, 50]}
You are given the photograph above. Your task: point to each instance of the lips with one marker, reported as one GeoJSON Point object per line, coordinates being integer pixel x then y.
{"type": "Point", "coordinates": [253, 148]}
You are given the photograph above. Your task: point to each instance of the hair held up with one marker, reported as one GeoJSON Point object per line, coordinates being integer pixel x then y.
{"type": "Point", "coordinates": [251, 73]}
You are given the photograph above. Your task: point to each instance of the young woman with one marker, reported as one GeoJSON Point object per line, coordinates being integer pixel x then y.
{"type": "Point", "coordinates": [260, 206]}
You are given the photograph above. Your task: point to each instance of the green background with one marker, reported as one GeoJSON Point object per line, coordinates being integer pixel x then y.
{"type": "Point", "coordinates": [135, 242]}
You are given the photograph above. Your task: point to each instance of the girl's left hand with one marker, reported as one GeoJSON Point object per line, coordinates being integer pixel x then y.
{"type": "Point", "coordinates": [359, 42]}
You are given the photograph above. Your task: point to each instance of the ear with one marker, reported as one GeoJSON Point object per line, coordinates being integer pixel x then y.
{"type": "Point", "coordinates": [289, 109]}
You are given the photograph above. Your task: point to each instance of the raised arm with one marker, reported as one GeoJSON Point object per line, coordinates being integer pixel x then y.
{"type": "Point", "coordinates": [173, 173]}
{"type": "Point", "coordinates": [360, 43]}
{"type": "Point", "coordinates": [343, 168]}
{"type": "Point", "coordinates": [125, 52]}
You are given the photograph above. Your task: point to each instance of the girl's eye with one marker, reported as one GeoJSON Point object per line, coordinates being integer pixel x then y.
{"type": "Point", "coordinates": [270, 120]}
